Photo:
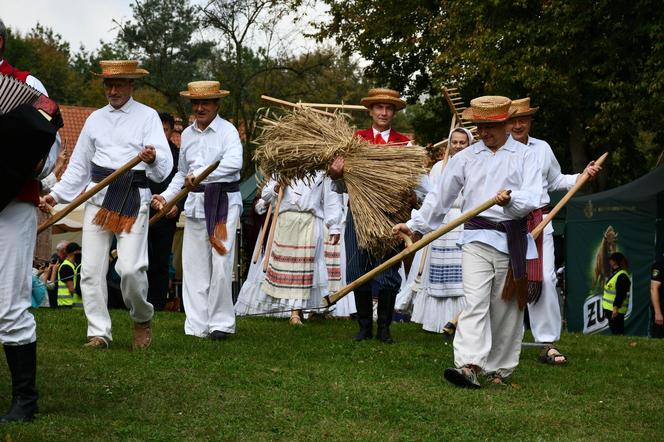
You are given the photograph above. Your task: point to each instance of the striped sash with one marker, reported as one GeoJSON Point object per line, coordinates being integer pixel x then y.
{"type": "Point", "coordinates": [122, 201]}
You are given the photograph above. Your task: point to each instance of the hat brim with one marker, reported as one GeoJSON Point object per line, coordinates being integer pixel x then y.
{"type": "Point", "coordinates": [530, 112]}
{"type": "Point", "coordinates": [467, 115]}
{"type": "Point", "coordinates": [218, 94]}
{"type": "Point", "coordinates": [370, 101]}
{"type": "Point", "coordinates": [138, 73]}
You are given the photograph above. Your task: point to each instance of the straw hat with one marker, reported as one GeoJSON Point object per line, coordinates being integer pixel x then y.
{"type": "Point", "coordinates": [488, 109]}
{"type": "Point", "coordinates": [204, 90]}
{"type": "Point", "coordinates": [383, 95]}
{"type": "Point", "coordinates": [120, 69]}
{"type": "Point", "coordinates": [521, 108]}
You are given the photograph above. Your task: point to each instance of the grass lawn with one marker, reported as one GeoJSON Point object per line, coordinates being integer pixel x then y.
{"type": "Point", "coordinates": [272, 381]}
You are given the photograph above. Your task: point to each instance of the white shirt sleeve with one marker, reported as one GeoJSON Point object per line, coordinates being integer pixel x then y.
{"type": "Point", "coordinates": [332, 207]}
{"type": "Point", "coordinates": [154, 135]}
{"type": "Point", "coordinates": [527, 198]}
{"type": "Point", "coordinates": [178, 179]}
{"type": "Point", "coordinates": [230, 162]}
{"type": "Point", "coordinates": [439, 200]}
{"type": "Point", "coordinates": [268, 194]}
{"type": "Point", "coordinates": [78, 173]}
{"type": "Point", "coordinates": [556, 179]}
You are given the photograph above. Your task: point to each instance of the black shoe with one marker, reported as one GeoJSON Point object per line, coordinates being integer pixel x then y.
{"type": "Point", "coordinates": [364, 306]}
{"type": "Point", "coordinates": [386, 300]}
{"type": "Point", "coordinates": [364, 334]}
{"type": "Point", "coordinates": [463, 377]}
{"type": "Point", "coordinates": [22, 361]}
{"type": "Point", "coordinates": [218, 335]}
{"type": "Point", "coordinates": [383, 335]}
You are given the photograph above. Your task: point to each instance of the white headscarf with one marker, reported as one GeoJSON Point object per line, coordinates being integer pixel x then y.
{"type": "Point", "coordinates": [462, 130]}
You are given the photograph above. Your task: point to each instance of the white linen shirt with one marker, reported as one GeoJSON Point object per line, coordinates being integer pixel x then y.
{"type": "Point", "coordinates": [552, 178]}
{"type": "Point", "coordinates": [110, 138]}
{"type": "Point", "coordinates": [315, 197]}
{"type": "Point", "coordinates": [200, 148]}
{"type": "Point", "coordinates": [481, 174]}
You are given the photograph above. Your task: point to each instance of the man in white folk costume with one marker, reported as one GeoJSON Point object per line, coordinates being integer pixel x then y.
{"type": "Point", "coordinates": [212, 213]}
{"type": "Point", "coordinates": [31, 149]}
{"type": "Point", "coordinates": [111, 137]}
{"type": "Point", "coordinates": [488, 337]}
{"type": "Point", "coordinates": [543, 307]}
{"type": "Point", "coordinates": [383, 104]}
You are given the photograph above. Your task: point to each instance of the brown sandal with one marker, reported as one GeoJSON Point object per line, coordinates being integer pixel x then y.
{"type": "Point", "coordinates": [550, 355]}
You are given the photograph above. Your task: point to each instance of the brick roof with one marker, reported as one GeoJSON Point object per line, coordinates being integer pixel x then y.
{"type": "Point", "coordinates": [74, 117]}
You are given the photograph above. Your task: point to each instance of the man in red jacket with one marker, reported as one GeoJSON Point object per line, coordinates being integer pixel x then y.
{"type": "Point", "coordinates": [383, 104]}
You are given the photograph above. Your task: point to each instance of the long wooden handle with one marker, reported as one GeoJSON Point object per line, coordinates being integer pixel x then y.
{"type": "Point", "coordinates": [537, 231]}
{"type": "Point", "coordinates": [423, 261]}
{"type": "Point", "coordinates": [406, 239]}
{"type": "Point", "coordinates": [426, 239]}
{"type": "Point", "coordinates": [261, 237]}
{"type": "Point", "coordinates": [273, 227]}
{"type": "Point", "coordinates": [88, 194]}
{"type": "Point", "coordinates": [293, 105]}
{"type": "Point", "coordinates": [182, 193]}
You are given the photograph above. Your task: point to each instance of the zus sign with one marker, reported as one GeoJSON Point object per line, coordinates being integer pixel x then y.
{"type": "Point", "coordinates": [595, 319]}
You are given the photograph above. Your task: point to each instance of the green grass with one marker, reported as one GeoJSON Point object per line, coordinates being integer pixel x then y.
{"type": "Point", "coordinates": [272, 381]}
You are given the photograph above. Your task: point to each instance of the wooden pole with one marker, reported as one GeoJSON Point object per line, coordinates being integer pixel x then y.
{"type": "Point", "coordinates": [579, 183]}
{"type": "Point", "coordinates": [182, 193]}
{"type": "Point", "coordinates": [261, 237]}
{"type": "Point", "coordinates": [273, 227]}
{"type": "Point", "coordinates": [342, 106]}
{"type": "Point", "coordinates": [88, 194]}
{"type": "Point", "coordinates": [426, 239]}
{"type": "Point", "coordinates": [293, 105]}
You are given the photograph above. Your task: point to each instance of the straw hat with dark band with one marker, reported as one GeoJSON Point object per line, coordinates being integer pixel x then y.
{"type": "Point", "coordinates": [488, 109]}
{"type": "Point", "coordinates": [204, 90]}
{"type": "Point", "coordinates": [120, 69]}
{"type": "Point", "coordinates": [383, 95]}
{"type": "Point", "coordinates": [521, 108]}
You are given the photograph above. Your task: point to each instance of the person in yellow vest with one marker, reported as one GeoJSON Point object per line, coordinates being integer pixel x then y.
{"type": "Point", "coordinates": [68, 278]}
{"type": "Point", "coordinates": [616, 293]}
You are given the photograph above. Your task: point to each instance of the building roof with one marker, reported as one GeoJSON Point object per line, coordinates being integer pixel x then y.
{"type": "Point", "coordinates": [74, 117]}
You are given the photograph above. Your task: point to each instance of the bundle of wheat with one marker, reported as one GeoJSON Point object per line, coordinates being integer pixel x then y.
{"type": "Point", "coordinates": [379, 180]}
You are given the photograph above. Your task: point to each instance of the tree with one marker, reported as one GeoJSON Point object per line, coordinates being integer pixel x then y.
{"type": "Point", "coordinates": [594, 67]}
{"type": "Point", "coordinates": [163, 34]}
{"type": "Point", "coordinates": [43, 52]}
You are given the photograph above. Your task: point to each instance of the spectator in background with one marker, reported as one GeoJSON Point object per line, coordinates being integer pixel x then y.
{"type": "Point", "coordinates": [68, 278]}
{"type": "Point", "coordinates": [615, 301]}
{"type": "Point", "coordinates": [160, 235]}
{"type": "Point", "coordinates": [657, 298]}
{"type": "Point", "coordinates": [60, 250]}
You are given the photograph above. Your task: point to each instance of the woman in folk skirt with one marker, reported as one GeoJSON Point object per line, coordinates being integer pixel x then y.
{"type": "Point", "coordinates": [436, 295]}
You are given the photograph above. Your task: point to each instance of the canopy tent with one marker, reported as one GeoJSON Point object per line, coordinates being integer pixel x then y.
{"type": "Point", "coordinates": [628, 219]}
{"type": "Point", "coordinates": [248, 191]}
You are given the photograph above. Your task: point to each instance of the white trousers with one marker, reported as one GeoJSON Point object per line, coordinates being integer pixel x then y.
{"type": "Point", "coordinates": [207, 278]}
{"type": "Point", "coordinates": [132, 265]}
{"type": "Point", "coordinates": [18, 233]}
{"type": "Point", "coordinates": [545, 316]}
{"type": "Point", "coordinates": [490, 330]}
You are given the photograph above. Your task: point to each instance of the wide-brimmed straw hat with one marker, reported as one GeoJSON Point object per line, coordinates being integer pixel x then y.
{"type": "Point", "coordinates": [488, 109]}
{"type": "Point", "coordinates": [204, 90]}
{"type": "Point", "coordinates": [521, 108]}
{"type": "Point", "coordinates": [383, 95]}
{"type": "Point", "coordinates": [120, 69]}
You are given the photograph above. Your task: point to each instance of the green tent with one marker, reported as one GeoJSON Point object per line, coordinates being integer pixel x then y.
{"type": "Point", "coordinates": [248, 191]}
{"type": "Point", "coordinates": [627, 219]}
